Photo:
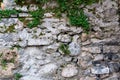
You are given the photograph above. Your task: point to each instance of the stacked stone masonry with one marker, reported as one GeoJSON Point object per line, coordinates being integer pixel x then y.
{"type": "Point", "coordinates": [93, 56]}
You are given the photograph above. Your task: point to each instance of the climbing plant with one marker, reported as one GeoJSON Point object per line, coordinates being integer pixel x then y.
{"type": "Point", "coordinates": [71, 8]}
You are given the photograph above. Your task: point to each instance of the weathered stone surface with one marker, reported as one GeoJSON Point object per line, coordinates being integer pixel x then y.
{"type": "Point", "coordinates": [39, 55]}
{"type": "Point", "coordinates": [24, 15]}
{"type": "Point", "coordinates": [84, 37]}
{"type": "Point", "coordinates": [48, 15]}
{"type": "Point", "coordinates": [86, 42]}
{"type": "Point", "coordinates": [74, 49]}
{"type": "Point", "coordinates": [69, 71]}
{"type": "Point", "coordinates": [8, 71]}
{"type": "Point", "coordinates": [8, 39]}
{"type": "Point", "coordinates": [8, 61]}
{"type": "Point", "coordinates": [99, 57]}
{"type": "Point", "coordinates": [92, 49]}
{"type": "Point", "coordinates": [24, 35]}
{"type": "Point", "coordinates": [76, 30]}
{"type": "Point", "coordinates": [64, 38]}
{"type": "Point", "coordinates": [10, 21]}
{"type": "Point", "coordinates": [8, 4]}
{"type": "Point", "coordinates": [111, 56]}
{"type": "Point", "coordinates": [113, 49]}
{"type": "Point", "coordinates": [114, 76]}
{"type": "Point", "coordinates": [39, 42]}
{"type": "Point", "coordinates": [35, 78]}
{"type": "Point", "coordinates": [42, 40]}
{"type": "Point", "coordinates": [114, 67]}
{"type": "Point", "coordinates": [51, 48]}
{"type": "Point", "coordinates": [19, 25]}
{"type": "Point", "coordinates": [100, 70]}
{"type": "Point", "coordinates": [48, 69]}
{"type": "Point", "coordinates": [24, 8]}
{"type": "Point", "coordinates": [33, 7]}
{"type": "Point", "coordinates": [87, 78]}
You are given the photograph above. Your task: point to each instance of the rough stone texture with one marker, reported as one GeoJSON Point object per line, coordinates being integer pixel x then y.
{"type": "Point", "coordinates": [74, 49]}
{"type": "Point", "coordinates": [64, 38]}
{"type": "Point", "coordinates": [9, 61]}
{"type": "Point", "coordinates": [114, 49]}
{"type": "Point", "coordinates": [100, 70]}
{"type": "Point", "coordinates": [69, 71]}
{"type": "Point", "coordinates": [94, 56]}
{"type": "Point", "coordinates": [92, 49]}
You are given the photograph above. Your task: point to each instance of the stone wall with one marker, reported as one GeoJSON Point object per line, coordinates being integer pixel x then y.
{"type": "Point", "coordinates": [93, 56]}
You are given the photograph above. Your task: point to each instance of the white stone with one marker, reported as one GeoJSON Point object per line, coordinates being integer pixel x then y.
{"type": "Point", "coordinates": [48, 15]}
{"type": "Point", "coordinates": [69, 71]}
{"type": "Point", "coordinates": [9, 22]}
{"type": "Point", "coordinates": [64, 38]}
{"type": "Point", "coordinates": [24, 8]}
{"type": "Point", "coordinates": [99, 57]}
{"type": "Point", "coordinates": [31, 77]}
{"type": "Point", "coordinates": [62, 28]}
{"type": "Point", "coordinates": [8, 4]}
{"type": "Point", "coordinates": [100, 70]}
{"type": "Point", "coordinates": [24, 35]}
{"type": "Point", "coordinates": [48, 69]}
{"type": "Point", "coordinates": [19, 25]}
{"type": "Point", "coordinates": [50, 27]}
{"type": "Point", "coordinates": [39, 41]}
{"type": "Point", "coordinates": [74, 48]}
{"type": "Point", "coordinates": [23, 43]}
{"type": "Point", "coordinates": [76, 30]}
{"type": "Point", "coordinates": [51, 48]}
{"type": "Point", "coordinates": [24, 15]}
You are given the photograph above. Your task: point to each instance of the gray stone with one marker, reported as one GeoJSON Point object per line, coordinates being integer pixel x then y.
{"type": "Point", "coordinates": [24, 8]}
{"type": "Point", "coordinates": [100, 70]}
{"type": "Point", "coordinates": [114, 67]}
{"type": "Point", "coordinates": [41, 40]}
{"type": "Point", "coordinates": [24, 35]}
{"type": "Point", "coordinates": [33, 7]}
{"type": "Point", "coordinates": [110, 14]}
{"type": "Point", "coordinates": [19, 25]}
{"type": "Point", "coordinates": [64, 38]}
{"type": "Point", "coordinates": [48, 69]}
{"type": "Point", "coordinates": [74, 49]}
{"type": "Point", "coordinates": [30, 77]}
{"type": "Point", "coordinates": [62, 28]}
{"type": "Point", "coordinates": [99, 57]}
{"type": "Point", "coordinates": [69, 71]}
{"type": "Point", "coordinates": [113, 49]}
{"type": "Point", "coordinates": [10, 21]}
{"type": "Point", "coordinates": [75, 30]}
{"type": "Point", "coordinates": [51, 48]}
{"type": "Point", "coordinates": [24, 15]}
{"type": "Point", "coordinates": [76, 39]}
{"type": "Point", "coordinates": [92, 49]}
{"type": "Point", "coordinates": [48, 15]}
{"type": "Point", "coordinates": [114, 76]}
{"type": "Point", "coordinates": [86, 43]}
{"type": "Point", "coordinates": [8, 4]}
{"type": "Point", "coordinates": [22, 43]}
{"type": "Point", "coordinates": [84, 36]}
{"type": "Point", "coordinates": [111, 56]}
